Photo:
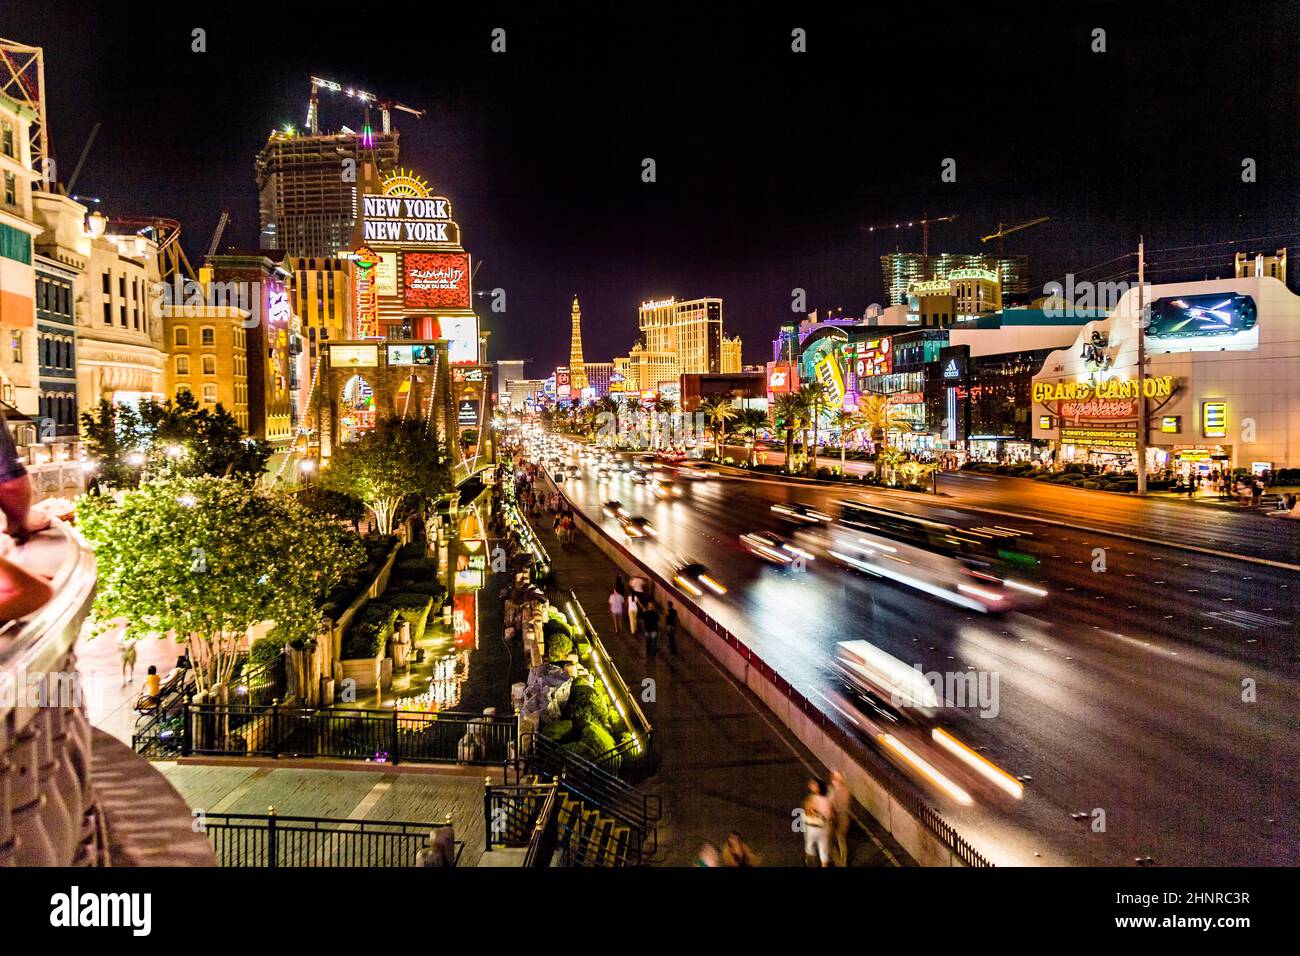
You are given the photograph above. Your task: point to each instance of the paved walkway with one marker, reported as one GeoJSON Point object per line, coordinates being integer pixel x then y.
{"type": "Point", "coordinates": [110, 704]}
{"type": "Point", "coordinates": [726, 764]}
{"type": "Point", "coordinates": [412, 795]}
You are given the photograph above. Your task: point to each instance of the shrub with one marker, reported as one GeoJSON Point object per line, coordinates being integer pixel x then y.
{"type": "Point", "coordinates": [587, 702]}
{"type": "Point", "coordinates": [580, 749]}
{"type": "Point", "coordinates": [416, 569]}
{"type": "Point", "coordinates": [1123, 486]}
{"type": "Point", "coordinates": [1091, 485]}
{"type": "Point", "coordinates": [559, 644]}
{"type": "Point", "coordinates": [411, 552]}
{"type": "Point", "coordinates": [597, 738]}
{"type": "Point", "coordinates": [369, 633]}
{"type": "Point", "coordinates": [412, 607]}
{"type": "Point", "coordinates": [558, 730]}
{"type": "Point", "coordinates": [264, 649]}
{"type": "Point", "coordinates": [1074, 468]}
{"type": "Point", "coordinates": [434, 589]}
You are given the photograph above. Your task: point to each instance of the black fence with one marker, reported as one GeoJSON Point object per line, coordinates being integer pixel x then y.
{"type": "Point", "coordinates": [381, 736]}
{"type": "Point", "coordinates": [251, 840]}
{"type": "Point", "coordinates": [522, 815]}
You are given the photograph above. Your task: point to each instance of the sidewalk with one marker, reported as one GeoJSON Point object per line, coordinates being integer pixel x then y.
{"type": "Point", "coordinates": [109, 704]}
{"type": "Point", "coordinates": [725, 762]}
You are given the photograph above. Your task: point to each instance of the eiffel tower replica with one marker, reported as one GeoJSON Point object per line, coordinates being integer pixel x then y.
{"type": "Point", "coordinates": [577, 373]}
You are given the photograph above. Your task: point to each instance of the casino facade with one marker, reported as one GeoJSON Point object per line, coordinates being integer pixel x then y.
{"type": "Point", "coordinates": [1222, 381]}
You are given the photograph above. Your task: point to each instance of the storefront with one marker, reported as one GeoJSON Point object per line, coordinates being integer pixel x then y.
{"type": "Point", "coordinates": [1221, 388]}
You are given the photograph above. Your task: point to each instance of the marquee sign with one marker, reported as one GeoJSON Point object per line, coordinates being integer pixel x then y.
{"type": "Point", "coordinates": [874, 358]}
{"type": "Point", "coordinates": [435, 280]}
{"type": "Point", "coordinates": [407, 221]}
{"type": "Point", "coordinates": [1115, 388]}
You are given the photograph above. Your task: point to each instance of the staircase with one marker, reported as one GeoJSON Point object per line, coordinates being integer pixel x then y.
{"type": "Point", "coordinates": [588, 836]}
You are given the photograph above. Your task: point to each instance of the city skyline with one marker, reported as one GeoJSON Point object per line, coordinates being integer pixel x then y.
{"type": "Point", "coordinates": [742, 207]}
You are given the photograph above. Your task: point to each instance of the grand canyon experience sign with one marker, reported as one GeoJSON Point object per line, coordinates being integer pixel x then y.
{"type": "Point", "coordinates": [407, 221]}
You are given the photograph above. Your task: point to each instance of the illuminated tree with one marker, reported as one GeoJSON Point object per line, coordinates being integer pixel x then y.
{"type": "Point", "coordinates": [847, 422]}
{"type": "Point", "coordinates": [789, 414]}
{"type": "Point", "coordinates": [749, 425]}
{"type": "Point", "coordinates": [395, 466]}
{"type": "Point", "coordinates": [207, 559]}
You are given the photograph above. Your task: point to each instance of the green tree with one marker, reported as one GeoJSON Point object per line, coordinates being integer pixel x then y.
{"type": "Point", "coordinates": [788, 414]}
{"type": "Point", "coordinates": [393, 467]}
{"type": "Point", "coordinates": [847, 422]}
{"type": "Point", "coordinates": [175, 438]}
{"type": "Point", "coordinates": [881, 418]}
{"type": "Point", "coordinates": [207, 558]}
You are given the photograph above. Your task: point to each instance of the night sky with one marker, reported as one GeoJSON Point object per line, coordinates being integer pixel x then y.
{"type": "Point", "coordinates": [769, 162]}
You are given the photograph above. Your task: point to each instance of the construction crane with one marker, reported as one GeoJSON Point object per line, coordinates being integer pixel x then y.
{"type": "Point", "coordinates": [386, 105]}
{"type": "Point", "coordinates": [923, 222]}
{"type": "Point", "coordinates": [167, 235]}
{"type": "Point", "coordinates": [1004, 231]}
{"type": "Point", "coordinates": [216, 236]}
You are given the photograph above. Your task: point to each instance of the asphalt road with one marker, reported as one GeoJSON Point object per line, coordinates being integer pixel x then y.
{"type": "Point", "coordinates": [1123, 693]}
{"type": "Point", "coordinates": [1216, 527]}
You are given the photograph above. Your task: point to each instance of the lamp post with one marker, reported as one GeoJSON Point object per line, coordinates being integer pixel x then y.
{"type": "Point", "coordinates": [1141, 444]}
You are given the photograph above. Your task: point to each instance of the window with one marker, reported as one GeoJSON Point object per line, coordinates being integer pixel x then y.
{"type": "Point", "coordinates": [11, 189]}
{"type": "Point", "coordinates": [121, 311]}
{"type": "Point", "coordinates": [208, 336]}
{"type": "Point", "coordinates": [7, 139]}
{"type": "Point", "coordinates": [121, 286]}
{"type": "Point", "coordinates": [209, 365]}
{"type": "Point", "coordinates": [16, 346]}
{"type": "Point", "coordinates": [108, 288]}
{"type": "Point", "coordinates": [108, 313]}
{"type": "Point", "coordinates": [181, 336]}
{"type": "Point", "coordinates": [210, 394]}
{"type": "Point", "coordinates": [182, 365]}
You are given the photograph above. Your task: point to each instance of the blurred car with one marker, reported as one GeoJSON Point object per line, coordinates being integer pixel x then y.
{"type": "Point", "coordinates": [694, 578]}
{"type": "Point", "coordinates": [696, 471]}
{"type": "Point", "coordinates": [666, 489]}
{"type": "Point", "coordinates": [603, 473]}
{"type": "Point", "coordinates": [638, 527]}
{"type": "Point", "coordinates": [885, 681]}
{"type": "Point", "coordinates": [773, 548]}
{"type": "Point", "coordinates": [613, 508]}
{"type": "Point", "coordinates": [640, 477]}
{"type": "Point", "coordinates": [800, 512]}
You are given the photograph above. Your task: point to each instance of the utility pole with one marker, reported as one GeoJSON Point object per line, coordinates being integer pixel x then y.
{"type": "Point", "coordinates": [1141, 373]}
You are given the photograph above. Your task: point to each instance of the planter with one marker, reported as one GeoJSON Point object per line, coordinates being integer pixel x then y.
{"type": "Point", "coordinates": [365, 671]}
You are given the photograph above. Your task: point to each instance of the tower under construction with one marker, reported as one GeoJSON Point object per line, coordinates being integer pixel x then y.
{"type": "Point", "coordinates": [307, 187]}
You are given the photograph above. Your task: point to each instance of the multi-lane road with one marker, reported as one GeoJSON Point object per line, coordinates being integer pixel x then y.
{"type": "Point", "coordinates": [1150, 708]}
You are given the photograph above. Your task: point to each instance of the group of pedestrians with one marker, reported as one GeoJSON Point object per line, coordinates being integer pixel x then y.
{"type": "Point", "coordinates": [735, 852]}
{"type": "Point", "coordinates": [538, 504]}
{"type": "Point", "coordinates": [631, 604]}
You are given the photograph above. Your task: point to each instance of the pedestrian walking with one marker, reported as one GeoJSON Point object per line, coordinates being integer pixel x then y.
{"type": "Point", "coordinates": [1256, 493]}
{"type": "Point", "coordinates": [620, 585]}
{"type": "Point", "coordinates": [670, 627]}
{"type": "Point", "coordinates": [633, 609]}
{"type": "Point", "coordinates": [126, 647]}
{"type": "Point", "coordinates": [841, 800]}
{"type": "Point", "coordinates": [617, 605]}
{"type": "Point", "coordinates": [818, 818]}
{"type": "Point", "coordinates": [649, 616]}
{"type": "Point", "coordinates": [708, 856]}
{"type": "Point", "coordinates": [737, 852]}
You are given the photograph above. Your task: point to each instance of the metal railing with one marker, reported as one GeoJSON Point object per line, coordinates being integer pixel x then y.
{"type": "Point", "coordinates": [269, 840]}
{"type": "Point", "coordinates": [380, 736]}
{"type": "Point", "coordinates": [522, 815]}
{"type": "Point", "coordinates": [598, 788]}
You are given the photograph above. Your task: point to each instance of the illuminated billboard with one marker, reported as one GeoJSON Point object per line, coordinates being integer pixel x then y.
{"type": "Point", "coordinates": [411, 354]}
{"type": "Point", "coordinates": [462, 335]}
{"type": "Point", "coordinates": [782, 378]}
{"type": "Point", "coordinates": [875, 357]}
{"type": "Point", "coordinates": [435, 280]}
{"type": "Point", "coordinates": [1227, 321]}
{"type": "Point", "coordinates": [354, 356]}
{"type": "Point", "coordinates": [467, 412]}
{"type": "Point", "coordinates": [832, 380]}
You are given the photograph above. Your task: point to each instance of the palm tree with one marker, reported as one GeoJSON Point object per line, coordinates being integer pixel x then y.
{"type": "Point", "coordinates": [814, 401]}
{"type": "Point", "coordinates": [847, 422]}
{"type": "Point", "coordinates": [788, 414]}
{"type": "Point", "coordinates": [749, 425]}
{"type": "Point", "coordinates": [718, 410]}
{"type": "Point", "coordinates": [660, 406]}
{"type": "Point", "coordinates": [880, 417]}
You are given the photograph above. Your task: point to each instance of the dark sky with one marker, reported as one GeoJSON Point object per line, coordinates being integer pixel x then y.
{"type": "Point", "coordinates": [768, 162]}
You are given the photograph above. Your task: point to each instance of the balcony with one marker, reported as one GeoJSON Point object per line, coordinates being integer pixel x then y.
{"type": "Point", "coordinates": [71, 795]}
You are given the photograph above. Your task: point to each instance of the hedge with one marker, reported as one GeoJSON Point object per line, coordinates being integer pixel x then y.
{"type": "Point", "coordinates": [417, 569]}
{"type": "Point", "coordinates": [411, 552]}
{"type": "Point", "coordinates": [412, 607]}
{"type": "Point", "coordinates": [588, 703]}
{"type": "Point", "coordinates": [369, 633]}
{"type": "Point", "coordinates": [434, 589]}
{"type": "Point", "coordinates": [558, 644]}
{"type": "Point", "coordinates": [264, 649]}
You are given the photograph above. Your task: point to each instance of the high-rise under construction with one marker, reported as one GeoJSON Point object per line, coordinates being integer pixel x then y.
{"type": "Point", "coordinates": [307, 187]}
